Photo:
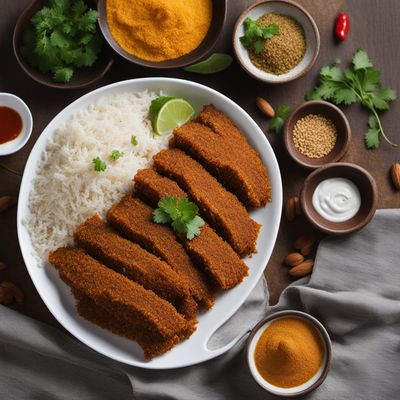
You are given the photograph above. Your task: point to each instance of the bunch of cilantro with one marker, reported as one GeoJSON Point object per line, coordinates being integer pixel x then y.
{"type": "Point", "coordinates": [181, 214]}
{"type": "Point", "coordinates": [61, 36]}
{"type": "Point", "coordinates": [358, 83]}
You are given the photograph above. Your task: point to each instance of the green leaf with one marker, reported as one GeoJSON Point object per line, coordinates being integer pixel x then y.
{"type": "Point", "coordinates": [258, 46]}
{"type": "Point", "coordinates": [116, 154]}
{"type": "Point", "coordinates": [187, 209]}
{"type": "Point", "coordinates": [63, 74]}
{"type": "Point", "coordinates": [134, 140]}
{"type": "Point", "coordinates": [373, 123]}
{"type": "Point", "coordinates": [160, 216]}
{"type": "Point", "coordinates": [217, 62]}
{"type": "Point", "coordinates": [98, 164]}
{"type": "Point", "coordinates": [169, 206]}
{"type": "Point", "coordinates": [372, 138]}
{"type": "Point", "coordinates": [277, 122]}
{"type": "Point", "coordinates": [361, 60]}
{"type": "Point", "coordinates": [193, 227]}
{"type": "Point", "coordinates": [256, 34]}
{"type": "Point", "coordinates": [345, 96]}
{"type": "Point", "coordinates": [378, 102]}
{"type": "Point", "coordinates": [157, 103]}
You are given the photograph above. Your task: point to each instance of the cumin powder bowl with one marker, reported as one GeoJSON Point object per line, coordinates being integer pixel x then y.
{"type": "Point", "coordinates": [283, 353]}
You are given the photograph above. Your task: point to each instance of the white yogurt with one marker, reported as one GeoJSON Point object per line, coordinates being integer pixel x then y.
{"type": "Point", "coordinates": [336, 199]}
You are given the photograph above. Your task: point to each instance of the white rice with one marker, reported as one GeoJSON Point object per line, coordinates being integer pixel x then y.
{"type": "Point", "coordinates": [67, 189]}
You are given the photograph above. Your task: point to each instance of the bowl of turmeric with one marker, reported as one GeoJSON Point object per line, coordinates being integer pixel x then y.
{"type": "Point", "coordinates": [289, 353]}
{"type": "Point", "coordinates": [161, 33]}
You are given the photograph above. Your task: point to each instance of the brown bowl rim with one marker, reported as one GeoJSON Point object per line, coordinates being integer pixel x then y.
{"type": "Point", "coordinates": [346, 134]}
{"type": "Point", "coordinates": [315, 30]}
{"type": "Point", "coordinates": [37, 75]}
{"type": "Point", "coordinates": [167, 64]}
{"type": "Point", "coordinates": [325, 336]}
{"type": "Point", "coordinates": [305, 204]}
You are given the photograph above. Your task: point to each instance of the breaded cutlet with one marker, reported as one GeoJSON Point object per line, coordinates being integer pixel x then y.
{"type": "Point", "coordinates": [220, 208]}
{"type": "Point", "coordinates": [149, 314]}
{"type": "Point", "coordinates": [208, 250]}
{"type": "Point", "coordinates": [226, 161]}
{"type": "Point", "coordinates": [129, 259]}
{"type": "Point", "coordinates": [134, 219]}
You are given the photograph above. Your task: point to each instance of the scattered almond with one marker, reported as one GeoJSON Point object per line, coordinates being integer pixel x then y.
{"type": "Point", "coordinates": [297, 205]}
{"type": "Point", "coordinates": [305, 243]}
{"type": "Point", "coordinates": [6, 202]}
{"type": "Point", "coordinates": [395, 173]}
{"type": "Point", "coordinates": [15, 290]}
{"type": "Point", "coordinates": [302, 269]}
{"type": "Point", "coordinates": [290, 209]}
{"type": "Point", "coordinates": [265, 107]}
{"type": "Point", "coordinates": [3, 265]}
{"type": "Point", "coordinates": [6, 296]}
{"type": "Point", "coordinates": [293, 259]}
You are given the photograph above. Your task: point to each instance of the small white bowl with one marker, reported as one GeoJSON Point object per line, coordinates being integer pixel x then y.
{"type": "Point", "coordinates": [14, 102]}
{"type": "Point", "coordinates": [290, 9]}
{"type": "Point", "coordinates": [306, 387]}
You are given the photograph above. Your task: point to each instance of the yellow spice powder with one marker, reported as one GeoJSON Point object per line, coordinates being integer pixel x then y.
{"type": "Point", "coordinates": [159, 30]}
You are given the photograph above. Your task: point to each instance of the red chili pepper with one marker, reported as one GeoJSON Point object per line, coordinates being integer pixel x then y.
{"type": "Point", "coordinates": [342, 26]}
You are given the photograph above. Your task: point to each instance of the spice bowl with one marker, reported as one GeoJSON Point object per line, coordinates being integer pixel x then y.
{"type": "Point", "coordinates": [320, 334]}
{"type": "Point", "coordinates": [368, 194]}
{"type": "Point", "coordinates": [286, 8]}
{"type": "Point", "coordinates": [219, 8]}
{"type": "Point", "coordinates": [331, 113]}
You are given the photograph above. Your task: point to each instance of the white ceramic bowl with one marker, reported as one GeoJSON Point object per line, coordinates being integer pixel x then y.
{"type": "Point", "coordinates": [290, 9]}
{"type": "Point", "coordinates": [308, 386]}
{"type": "Point", "coordinates": [14, 102]}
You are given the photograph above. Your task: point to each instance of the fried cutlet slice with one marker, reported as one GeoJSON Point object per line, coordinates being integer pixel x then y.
{"type": "Point", "coordinates": [134, 219]}
{"type": "Point", "coordinates": [226, 161]}
{"type": "Point", "coordinates": [149, 314]}
{"type": "Point", "coordinates": [208, 250]}
{"type": "Point", "coordinates": [129, 259]}
{"type": "Point", "coordinates": [222, 209]}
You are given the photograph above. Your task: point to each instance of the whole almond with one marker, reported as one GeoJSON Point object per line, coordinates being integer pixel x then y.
{"type": "Point", "coordinates": [6, 296]}
{"type": "Point", "coordinates": [15, 290]}
{"type": "Point", "coordinates": [265, 107]}
{"type": "Point", "coordinates": [395, 173]}
{"type": "Point", "coordinates": [302, 269]}
{"type": "Point", "coordinates": [305, 243]}
{"type": "Point", "coordinates": [298, 206]}
{"type": "Point", "coordinates": [3, 265]}
{"type": "Point", "coordinates": [290, 209]}
{"type": "Point", "coordinates": [6, 202]}
{"type": "Point", "coordinates": [293, 259]}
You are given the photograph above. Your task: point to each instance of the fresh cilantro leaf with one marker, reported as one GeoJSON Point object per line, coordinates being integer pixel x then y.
{"type": "Point", "coordinates": [361, 60]}
{"type": "Point", "coordinates": [187, 210]}
{"type": "Point", "coordinates": [63, 74]}
{"type": "Point", "coordinates": [270, 31]}
{"type": "Point", "coordinates": [115, 154]}
{"type": "Point", "coordinates": [160, 216]}
{"type": "Point", "coordinates": [256, 34]}
{"type": "Point", "coordinates": [157, 103]}
{"type": "Point", "coordinates": [99, 164]}
{"type": "Point", "coordinates": [193, 227]}
{"type": "Point", "coordinates": [372, 136]}
{"type": "Point", "coordinates": [169, 206]}
{"type": "Point", "coordinates": [277, 122]}
{"type": "Point", "coordinates": [258, 46]}
{"type": "Point", "coordinates": [134, 140]}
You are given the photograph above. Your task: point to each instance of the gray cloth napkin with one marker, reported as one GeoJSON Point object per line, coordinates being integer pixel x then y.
{"type": "Point", "coordinates": [354, 291]}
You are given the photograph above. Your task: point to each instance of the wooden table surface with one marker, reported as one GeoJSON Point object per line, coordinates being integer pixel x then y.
{"type": "Point", "coordinates": [374, 27]}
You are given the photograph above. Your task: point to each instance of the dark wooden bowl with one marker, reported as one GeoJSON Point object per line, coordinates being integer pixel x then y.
{"type": "Point", "coordinates": [324, 336]}
{"type": "Point", "coordinates": [82, 76]}
{"type": "Point", "coordinates": [365, 184]}
{"type": "Point", "coordinates": [217, 23]}
{"type": "Point", "coordinates": [329, 111]}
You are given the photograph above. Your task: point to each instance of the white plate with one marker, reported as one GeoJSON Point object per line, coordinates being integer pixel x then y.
{"type": "Point", "coordinates": [56, 294]}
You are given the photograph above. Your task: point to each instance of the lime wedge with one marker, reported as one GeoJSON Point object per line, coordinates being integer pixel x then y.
{"type": "Point", "coordinates": [175, 112]}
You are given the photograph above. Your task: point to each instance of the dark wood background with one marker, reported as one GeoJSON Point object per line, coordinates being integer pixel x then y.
{"type": "Point", "coordinates": [374, 27]}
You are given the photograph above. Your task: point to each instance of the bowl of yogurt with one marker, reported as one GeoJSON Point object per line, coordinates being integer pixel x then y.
{"type": "Point", "coordinates": [339, 198]}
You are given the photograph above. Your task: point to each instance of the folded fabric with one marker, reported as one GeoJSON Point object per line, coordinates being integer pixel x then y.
{"type": "Point", "coordinates": [354, 291]}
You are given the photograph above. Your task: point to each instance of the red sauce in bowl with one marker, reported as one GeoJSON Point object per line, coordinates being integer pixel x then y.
{"type": "Point", "coordinates": [10, 124]}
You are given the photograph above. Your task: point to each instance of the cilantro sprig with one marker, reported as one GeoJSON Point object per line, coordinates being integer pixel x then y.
{"type": "Point", "coordinates": [60, 37]}
{"type": "Point", "coordinates": [116, 154]}
{"type": "Point", "coordinates": [99, 165]}
{"type": "Point", "coordinates": [255, 34]}
{"type": "Point", "coordinates": [358, 83]}
{"type": "Point", "coordinates": [277, 122]}
{"type": "Point", "coordinates": [181, 214]}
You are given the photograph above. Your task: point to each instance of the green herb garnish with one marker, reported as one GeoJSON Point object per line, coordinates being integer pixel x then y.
{"type": "Point", "coordinates": [157, 103]}
{"type": "Point", "coordinates": [60, 37]}
{"type": "Point", "coordinates": [134, 140]}
{"type": "Point", "coordinates": [181, 214]}
{"type": "Point", "coordinates": [115, 154]}
{"type": "Point", "coordinates": [217, 62]}
{"type": "Point", "coordinates": [98, 164]}
{"type": "Point", "coordinates": [276, 123]}
{"type": "Point", "coordinates": [255, 34]}
{"type": "Point", "coordinates": [358, 83]}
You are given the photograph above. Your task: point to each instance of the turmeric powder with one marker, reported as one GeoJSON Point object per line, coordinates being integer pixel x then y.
{"type": "Point", "coordinates": [289, 352]}
{"type": "Point", "coordinates": [158, 30]}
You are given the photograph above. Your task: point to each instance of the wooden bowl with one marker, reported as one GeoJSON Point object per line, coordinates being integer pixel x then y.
{"type": "Point", "coordinates": [329, 111]}
{"type": "Point", "coordinates": [217, 23]}
{"type": "Point", "coordinates": [291, 9]}
{"type": "Point", "coordinates": [82, 76]}
{"type": "Point", "coordinates": [365, 184]}
{"type": "Point", "coordinates": [307, 387]}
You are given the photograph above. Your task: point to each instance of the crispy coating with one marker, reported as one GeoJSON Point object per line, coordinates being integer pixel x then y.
{"type": "Point", "coordinates": [209, 250]}
{"type": "Point", "coordinates": [220, 208]}
{"type": "Point", "coordinates": [133, 218]}
{"type": "Point", "coordinates": [129, 259]}
{"type": "Point", "coordinates": [148, 314]}
{"type": "Point", "coordinates": [227, 160]}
